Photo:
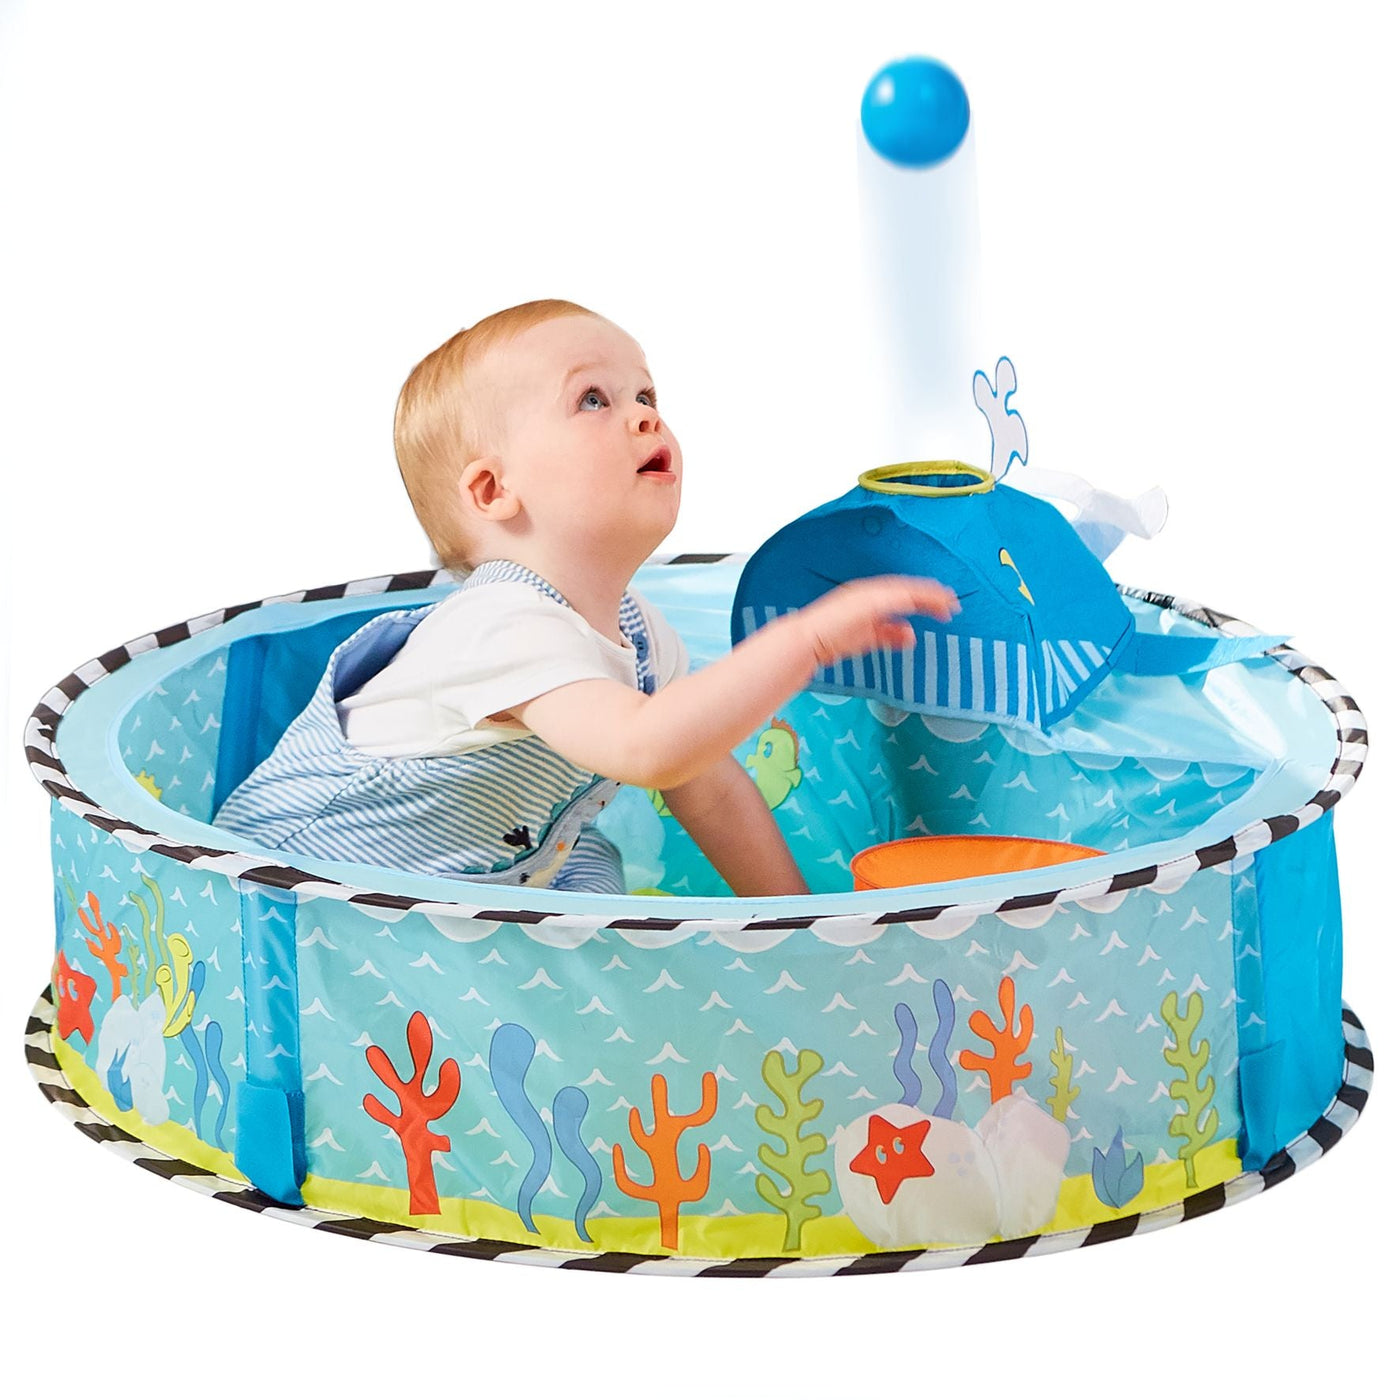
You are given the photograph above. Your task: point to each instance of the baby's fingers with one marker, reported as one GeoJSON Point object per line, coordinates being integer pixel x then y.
{"type": "Point", "coordinates": [906, 593]}
{"type": "Point", "coordinates": [895, 634]}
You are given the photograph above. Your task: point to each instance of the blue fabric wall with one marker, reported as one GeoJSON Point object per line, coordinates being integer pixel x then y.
{"type": "Point", "coordinates": [1291, 1065]}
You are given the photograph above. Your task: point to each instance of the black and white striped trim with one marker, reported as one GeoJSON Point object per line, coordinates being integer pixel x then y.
{"type": "Point", "coordinates": [505, 906]}
{"type": "Point", "coordinates": [1340, 1116]}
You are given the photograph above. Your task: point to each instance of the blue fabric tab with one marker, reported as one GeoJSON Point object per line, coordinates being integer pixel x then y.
{"type": "Point", "coordinates": [271, 1130]}
{"type": "Point", "coordinates": [272, 1152]}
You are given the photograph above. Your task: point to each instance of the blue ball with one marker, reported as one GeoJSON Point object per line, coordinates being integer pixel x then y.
{"type": "Point", "coordinates": [915, 112]}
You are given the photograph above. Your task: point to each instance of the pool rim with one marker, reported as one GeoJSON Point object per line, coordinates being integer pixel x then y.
{"type": "Point", "coordinates": [41, 733]}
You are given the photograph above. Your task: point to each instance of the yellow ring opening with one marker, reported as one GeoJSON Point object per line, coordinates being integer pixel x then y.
{"type": "Point", "coordinates": [878, 479]}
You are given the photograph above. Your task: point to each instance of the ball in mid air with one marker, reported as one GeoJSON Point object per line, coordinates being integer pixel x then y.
{"type": "Point", "coordinates": [915, 112]}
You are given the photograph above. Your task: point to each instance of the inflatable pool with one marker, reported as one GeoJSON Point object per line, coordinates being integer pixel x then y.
{"type": "Point", "coordinates": [681, 1081]}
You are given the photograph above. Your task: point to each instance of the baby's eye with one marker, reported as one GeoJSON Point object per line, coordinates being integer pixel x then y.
{"type": "Point", "coordinates": [593, 400]}
{"type": "Point", "coordinates": [648, 397]}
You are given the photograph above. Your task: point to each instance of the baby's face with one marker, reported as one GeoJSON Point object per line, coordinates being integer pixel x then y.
{"type": "Point", "coordinates": [582, 444]}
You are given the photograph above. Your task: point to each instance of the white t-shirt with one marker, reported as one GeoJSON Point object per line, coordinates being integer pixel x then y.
{"type": "Point", "coordinates": [481, 651]}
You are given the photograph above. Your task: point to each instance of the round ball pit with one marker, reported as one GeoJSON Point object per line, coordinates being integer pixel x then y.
{"type": "Point", "coordinates": [687, 1082]}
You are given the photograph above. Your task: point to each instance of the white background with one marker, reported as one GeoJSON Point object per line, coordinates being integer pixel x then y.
{"type": "Point", "coordinates": [227, 233]}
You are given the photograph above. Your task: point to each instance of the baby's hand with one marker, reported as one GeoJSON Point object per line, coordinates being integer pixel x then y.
{"type": "Point", "coordinates": [868, 613]}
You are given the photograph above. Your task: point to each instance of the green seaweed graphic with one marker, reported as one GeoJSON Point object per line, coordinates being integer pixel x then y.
{"type": "Point", "coordinates": [168, 960]}
{"type": "Point", "coordinates": [790, 1165]}
{"type": "Point", "coordinates": [1188, 1091]}
{"type": "Point", "coordinates": [1063, 1093]}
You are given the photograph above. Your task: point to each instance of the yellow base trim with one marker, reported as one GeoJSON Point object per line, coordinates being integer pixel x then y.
{"type": "Point", "coordinates": [1163, 1184]}
{"type": "Point", "coordinates": [759, 1235]}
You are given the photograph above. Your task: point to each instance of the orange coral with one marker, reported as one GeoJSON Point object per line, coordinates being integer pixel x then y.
{"type": "Point", "coordinates": [668, 1188]}
{"type": "Point", "coordinates": [105, 944]}
{"type": "Point", "coordinates": [416, 1110]}
{"type": "Point", "coordinates": [1001, 1065]}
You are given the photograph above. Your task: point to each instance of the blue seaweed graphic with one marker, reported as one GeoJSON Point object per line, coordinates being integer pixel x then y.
{"type": "Point", "coordinates": [190, 1040]}
{"type": "Point", "coordinates": [512, 1050]}
{"type": "Point", "coordinates": [904, 1056]}
{"type": "Point", "coordinates": [570, 1105]}
{"type": "Point", "coordinates": [1116, 1180]}
{"type": "Point", "coordinates": [195, 1051]}
{"type": "Point", "coordinates": [213, 1051]}
{"type": "Point", "coordinates": [938, 1049]}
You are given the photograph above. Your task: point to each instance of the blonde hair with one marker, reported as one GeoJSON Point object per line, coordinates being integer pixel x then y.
{"type": "Point", "coordinates": [440, 423]}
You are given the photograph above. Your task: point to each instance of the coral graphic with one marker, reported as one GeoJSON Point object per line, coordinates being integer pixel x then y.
{"type": "Point", "coordinates": [1001, 1066]}
{"type": "Point", "coordinates": [908, 1080]}
{"type": "Point", "coordinates": [105, 944]}
{"type": "Point", "coordinates": [75, 990]}
{"type": "Point", "coordinates": [1194, 1096]}
{"type": "Point", "coordinates": [1116, 1180]}
{"type": "Point", "coordinates": [512, 1050]}
{"type": "Point", "coordinates": [790, 1165]}
{"type": "Point", "coordinates": [1062, 1092]}
{"type": "Point", "coordinates": [131, 1062]}
{"type": "Point", "coordinates": [417, 1108]}
{"type": "Point", "coordinates": [173, 980]}
{"type": "Point", "coordinates": [938, 1048]}
{"type": "Point", "coordinates": [893, 1155]}
{"type": "Point", "coordinates": [774, 762]}
{"type": "Point", "coordinates": [668, 1189]}
{"type": "Point", "coordinates": [149, 783]}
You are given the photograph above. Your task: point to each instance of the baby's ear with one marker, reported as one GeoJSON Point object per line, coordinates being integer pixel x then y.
{"type": "Point", "coordinates": [482, 492]}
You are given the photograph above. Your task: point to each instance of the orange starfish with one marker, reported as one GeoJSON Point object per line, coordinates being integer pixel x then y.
{"type": "Point", "coordinates": [892, 1155]}
{"type": "Point", "coordinates": [75, 991]}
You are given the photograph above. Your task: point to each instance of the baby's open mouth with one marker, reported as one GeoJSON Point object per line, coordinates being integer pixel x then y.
{"type": "Point", "coordinates": [660, 461]}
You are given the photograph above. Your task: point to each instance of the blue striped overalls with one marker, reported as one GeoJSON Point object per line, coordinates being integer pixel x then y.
{"type": "Point", "coordinates": [515, 812]}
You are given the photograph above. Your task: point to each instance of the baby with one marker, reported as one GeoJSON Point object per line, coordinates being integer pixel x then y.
{"type": "Point", "coordinates": [481, 736]}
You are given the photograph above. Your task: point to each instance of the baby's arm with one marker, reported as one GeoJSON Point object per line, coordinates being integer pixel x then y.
{"type": "Point", "coordinates": [667, 739]}
{"type": "Point", "coordinates": [726, 814]}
